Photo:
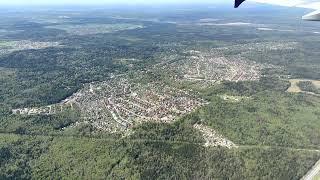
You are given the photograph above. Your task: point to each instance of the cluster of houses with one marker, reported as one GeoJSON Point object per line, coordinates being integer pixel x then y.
{"type": "Point", "coordinates": [13, 46]}
{"type": "Point", "coordinates": [45, 110]}
{"type": "Point", "coordinates": [118, 104]}
{"type": "Point", "coordinates": [122, 102]}
{"type": "Point", "coordinates": [209, 66]}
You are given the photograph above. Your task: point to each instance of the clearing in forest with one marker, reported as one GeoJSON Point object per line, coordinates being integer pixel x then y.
{"type": "Point", "coordinates": [316, 83]}
{"type": "Point", "coordinates": [213, 139]}
{"type": "Point", "coordinates": [294, 88]}
{"type": "Point", "coordinates": [233, 98]}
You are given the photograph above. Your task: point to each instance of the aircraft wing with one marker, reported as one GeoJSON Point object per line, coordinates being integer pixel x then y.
{"type": "Point", "coordinates": [313, 16]}
{"type": "Point", "coordinates": [237, 3]}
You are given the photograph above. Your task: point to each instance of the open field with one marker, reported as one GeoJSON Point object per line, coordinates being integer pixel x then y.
{"type": "Point", "coordinates": [294, 88]}
{"type": "Point", "coordinates": [316, 83]}
{"type": "Point", "coordinates": [213, 139]}
{"type": "Point", "coordinates": [233, 98]}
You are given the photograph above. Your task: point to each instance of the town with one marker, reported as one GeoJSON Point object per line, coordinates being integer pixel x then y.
{"type": "Point", "coordinates": [212, 67]}
{"type": "Point", "coordinates": [118, 104]}
{"type": "Point", "coordinates": [7, 47]}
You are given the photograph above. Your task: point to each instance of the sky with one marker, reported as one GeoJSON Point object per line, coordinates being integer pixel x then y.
{"type": "Point", "coordinates": [298, 3]}
{"type": "Point", "coordinates": [17, 2]}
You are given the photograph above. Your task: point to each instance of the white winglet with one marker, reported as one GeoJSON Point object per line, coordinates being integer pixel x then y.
{"type": "Point", "coordinates": [314, 16]}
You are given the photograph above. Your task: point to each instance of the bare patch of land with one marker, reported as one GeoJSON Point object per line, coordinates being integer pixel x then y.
{"type": "Point", "coordinates": [233, 98]}
{"type": "Point", "coordinates": [294, 88]}
{"type": "Point", "coordinates": [213, 139]}
{"type": "Point", "coordinates": [316, 83]}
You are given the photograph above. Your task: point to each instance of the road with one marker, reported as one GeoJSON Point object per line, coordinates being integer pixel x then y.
{"type": "Point", "coordinates": [313, 172]}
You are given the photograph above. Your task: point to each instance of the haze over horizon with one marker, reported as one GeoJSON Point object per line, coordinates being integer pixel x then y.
{"type": "Point", "coordinates": [88, 2]}
{"type": "Point", "coordinates": [296, 3]}
{"type": "Point", "coordinates": [80, 2]}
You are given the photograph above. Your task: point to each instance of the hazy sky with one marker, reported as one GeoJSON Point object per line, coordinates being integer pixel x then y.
{"type": "Point", "coordinates": [300, 3]}
{"type": "Point", "coordinates": [105, 1]}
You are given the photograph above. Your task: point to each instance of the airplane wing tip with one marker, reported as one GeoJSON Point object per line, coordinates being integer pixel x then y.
{"type": "Point", "coordinates": [237, 3]}
{"type": "Point", "coordinates": [313, 16]}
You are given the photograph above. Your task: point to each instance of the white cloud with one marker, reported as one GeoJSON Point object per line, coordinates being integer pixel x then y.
{"type": "Point", "coordinates": [315, 5]}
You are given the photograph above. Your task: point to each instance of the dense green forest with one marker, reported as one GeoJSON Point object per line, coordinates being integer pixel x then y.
{"type": "Point", "coordinates": [42, 157]}
{"type": "Point", "coordinates": [277, 132]}
{"type": "Point", "coordinates": [269, 117]}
